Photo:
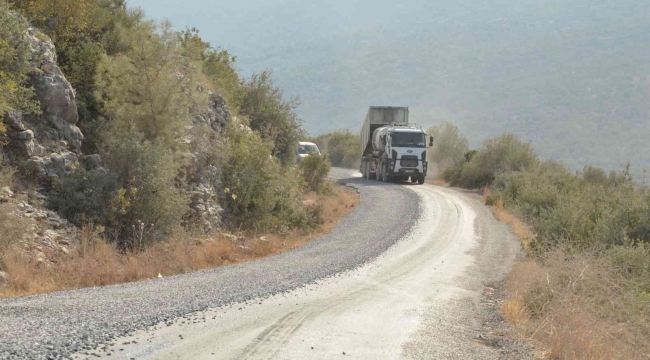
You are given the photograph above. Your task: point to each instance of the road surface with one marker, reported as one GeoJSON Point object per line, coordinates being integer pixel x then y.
{"type": "Point", "coordinates": [400, 277]}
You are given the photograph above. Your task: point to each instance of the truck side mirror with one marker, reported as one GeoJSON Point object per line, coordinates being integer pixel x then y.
{"type": "Point", "coordinates": [430, 140]}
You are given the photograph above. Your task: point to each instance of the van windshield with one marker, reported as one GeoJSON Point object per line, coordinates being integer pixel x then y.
{"type": "Point", "coordinates": [408, 139]}
{"type": "Point", "coordinates": [307, 149]}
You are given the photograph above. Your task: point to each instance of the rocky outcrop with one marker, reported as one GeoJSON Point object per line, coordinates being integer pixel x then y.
{"type": "Point", "coordinates": [201, 179]}
{"type": "Point", "coordinates": [48, 143]}
{"type": "Point", "coordinates": [216, 115]}
{"type": "Point", "coordinates": [53, 91]}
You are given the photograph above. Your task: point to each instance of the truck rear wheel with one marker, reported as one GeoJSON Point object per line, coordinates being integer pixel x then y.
{"type": "Point", "coordinates": [364, 170]}
{"type": "Point", "coordinates": [371, 175]}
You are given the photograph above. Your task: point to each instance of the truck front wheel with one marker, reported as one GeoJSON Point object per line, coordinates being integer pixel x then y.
{"type": "Point", "coordinates": [421, 180]}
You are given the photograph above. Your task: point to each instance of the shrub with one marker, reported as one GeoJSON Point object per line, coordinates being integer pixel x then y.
{"type": "Point", "coordinates": [314, 169]}
{"type": "Point", "coordinates": [498, 155]}
{"type": "Point", "coordinates": [147, 193]}
{"type": "Point", "coordinates": [13, 65]}
{"type": "Point", "coordinates": [342, 147]}
{"type": "Point", "coordinates": [261, 194]}
{"type": "Point", "coordinates": [84, 196]}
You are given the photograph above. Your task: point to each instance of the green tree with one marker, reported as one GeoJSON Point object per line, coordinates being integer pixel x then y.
{"type": "Point", "coordinates": [342, 147]}
{"type": "Point", "coordinates": [14, 67]}
{"type": "Point", "coordinates": [270, 114]}
{"type": "Point", "coordinates": [152, 87]}
{"type": "Point", "coordinates": [218, 65]}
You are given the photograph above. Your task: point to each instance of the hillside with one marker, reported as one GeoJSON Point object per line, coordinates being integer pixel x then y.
{"type": "Point", "coordinates": [571, 77]}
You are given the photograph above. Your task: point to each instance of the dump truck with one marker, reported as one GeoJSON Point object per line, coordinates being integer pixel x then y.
{"type": "Point", "coordinates": [392, 149]}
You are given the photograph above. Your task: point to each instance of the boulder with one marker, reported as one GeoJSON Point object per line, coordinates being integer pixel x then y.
{"type": "Point", "coordinates": [55, 166]}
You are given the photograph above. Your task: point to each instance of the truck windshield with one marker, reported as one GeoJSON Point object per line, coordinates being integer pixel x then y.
{"type": "Point", "coordinates": [408, 139]}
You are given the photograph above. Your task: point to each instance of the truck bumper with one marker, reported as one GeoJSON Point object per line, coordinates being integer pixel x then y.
{"type": "Point", "coordinates": [396, 170]}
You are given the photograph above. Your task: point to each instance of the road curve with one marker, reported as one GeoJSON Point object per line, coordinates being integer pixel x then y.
{"type": "Point", "coordinates": [400, 277]}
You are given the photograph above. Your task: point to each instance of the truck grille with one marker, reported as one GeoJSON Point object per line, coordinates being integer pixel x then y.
{"type": "Point", "coordinates": [409, 161]}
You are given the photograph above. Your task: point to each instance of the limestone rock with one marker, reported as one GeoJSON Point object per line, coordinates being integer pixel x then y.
{"type": "Point", "coordinates": [217, 114]}
{"type": "Point", "coordinates": [54, 166]}
{"type": "Point", "coordinates": [55, 126]}
{"type": "Point", "coordinates": [6, 193]}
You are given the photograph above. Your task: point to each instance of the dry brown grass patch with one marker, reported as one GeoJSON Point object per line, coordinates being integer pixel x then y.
{"type": "Point", "coordinates": [574, 304]}
{"type": "Point", "coordinates": [577, 308]}
{"type": "Point", "coordinates": [12, 227]}
{"type": "Point", "coordinates": [95, 262]}
{"type": "Point", "coordinates": [521, 229]}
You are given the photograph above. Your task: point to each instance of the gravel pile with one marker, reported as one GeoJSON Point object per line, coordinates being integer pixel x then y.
{"type": "Point", "coordinates": [59, 324]}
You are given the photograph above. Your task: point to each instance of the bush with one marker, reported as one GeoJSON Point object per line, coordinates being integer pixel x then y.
{"type": "Point", "coordinates": [84, 197]}
{"type": "Point", "coordinates": [261, 194]}
{"type": "Point", "coordinates": [14, 66]}
{"type": "Point", "coordinates": [498, 155]}
{"type": "Point", "coordinates": [147, 193]}
{"type": "Point", "coordinates": [342, 147]}
{"type": "Point", "coordinates": [314, 169]}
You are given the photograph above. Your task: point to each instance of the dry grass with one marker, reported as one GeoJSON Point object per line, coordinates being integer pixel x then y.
{"type": "Point", "coordinates": [521, 229]}
{"type": "Point", "coordinates": [97, 263]}
{"type": "Point", "coordinates": [575, 306]}
{"type": "Point", "coordinates": [12, 227]}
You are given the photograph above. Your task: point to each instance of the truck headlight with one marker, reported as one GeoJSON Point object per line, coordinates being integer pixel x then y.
{"type": "Point", "coordinates": [424, 165]}
{"type": "Point", "coordinates": [392, 164]}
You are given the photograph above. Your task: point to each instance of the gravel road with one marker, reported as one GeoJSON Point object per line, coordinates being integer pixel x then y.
{"type": "Point", "coordinates": [372, 288]}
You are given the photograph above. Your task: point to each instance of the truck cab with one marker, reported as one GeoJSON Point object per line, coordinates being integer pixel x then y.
{"type": "Point", "coordinates": [399, 153]}
{"type": "Point", "coordinates": [405, 155]}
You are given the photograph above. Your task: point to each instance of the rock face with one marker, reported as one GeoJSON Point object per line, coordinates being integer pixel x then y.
{"type": "Point", "coordinates": [53, 91]}
{"type": "Point", "coordinates": [217, 115]}
{"type": "Point", "coordinates": [201, 178]}
{"type": "Point", "coordinates": [48, 145]}
{"type": "Point", "coordinates": [50, 141]}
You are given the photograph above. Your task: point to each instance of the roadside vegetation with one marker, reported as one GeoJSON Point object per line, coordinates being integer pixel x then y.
{"type": "Point", "coordinates": [147, 98]}
{"type": "Point", "coordinates": [583, 290]}
{"type": "Point", "coordinates": [98, 262]}
{"type": "Point", "coordinates": [342, 147]}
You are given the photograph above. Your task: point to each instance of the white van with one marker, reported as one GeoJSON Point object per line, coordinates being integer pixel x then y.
{"type": "Point", "coordinates": [305, 149]}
